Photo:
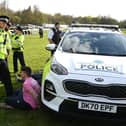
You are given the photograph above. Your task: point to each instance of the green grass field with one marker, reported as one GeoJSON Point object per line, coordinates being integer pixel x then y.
{"type": "Point", "coordinates": [34, 52]}
{"type": "Point", "coordinates": [35, 57]}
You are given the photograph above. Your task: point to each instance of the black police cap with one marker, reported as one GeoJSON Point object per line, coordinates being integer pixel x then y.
{"type": "Point", "coordinates": [19, 28]}
{"type": "Point", "coordinates": [9, 23]}
{"type": "Point", "coordinates": [4, 19]}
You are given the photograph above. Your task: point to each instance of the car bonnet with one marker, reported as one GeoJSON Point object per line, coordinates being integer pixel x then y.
{"type": "Point", "coordinates": [92, 64]}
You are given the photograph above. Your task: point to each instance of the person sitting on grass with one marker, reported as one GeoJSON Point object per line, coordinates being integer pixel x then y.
{"type": "Point", "coordinates": [26, 98]}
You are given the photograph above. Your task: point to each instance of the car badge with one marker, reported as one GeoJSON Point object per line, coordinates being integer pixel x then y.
{"type": "Point", "coordinates": [98, 62]}
{"type": "Point", "coordinates": [99, 79]}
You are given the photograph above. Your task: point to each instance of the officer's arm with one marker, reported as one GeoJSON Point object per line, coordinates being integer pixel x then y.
{"type": "Point", "coordinates": [20, 41]}
{"type": "Point", "coordinates": [8, 44]}
{"type": "Point", "coordinates": [50, 36]}
{"type": "Point", "coordinates": [50, 41]}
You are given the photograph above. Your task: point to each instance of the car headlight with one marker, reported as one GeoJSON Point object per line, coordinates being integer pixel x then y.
{"type": "Point", "coordinates": [58, 68]}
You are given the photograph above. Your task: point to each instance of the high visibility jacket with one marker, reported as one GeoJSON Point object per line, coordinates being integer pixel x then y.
{"type": "Point", "coordinates": [17, 42]}
{"type": "Point", "coordinates": [9, 34]}
{"type": "Point", "coordinates": [8, 43]}
{"type": "Point", "coordinates": [4, 44]}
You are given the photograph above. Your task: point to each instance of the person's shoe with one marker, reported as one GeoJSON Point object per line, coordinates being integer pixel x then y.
{"type": "Point", "coordinates": [4, 105]}
{"type": "Point", "coordinates": [18, 77]}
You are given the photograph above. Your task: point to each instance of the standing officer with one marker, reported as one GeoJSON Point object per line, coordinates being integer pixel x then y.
{"type": "Point", "coordinates": [4, 71]}
{"type": "Point", "coordinates": [8, 38]}
{"type": "Point", "coordinates": [54, 35]}
{"type": "Point", "coordinates": [17, 47]}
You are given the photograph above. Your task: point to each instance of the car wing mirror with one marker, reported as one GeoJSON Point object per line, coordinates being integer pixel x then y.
{"type": "Point", "coordinates": [50, 47]}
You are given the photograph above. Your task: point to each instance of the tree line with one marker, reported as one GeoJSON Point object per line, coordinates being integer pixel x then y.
{"type": "Point", "coordinates": [35, 16]}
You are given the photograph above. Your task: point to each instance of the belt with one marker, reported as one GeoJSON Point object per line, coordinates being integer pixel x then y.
{"type": "Point", "coordinates": [1, 60]}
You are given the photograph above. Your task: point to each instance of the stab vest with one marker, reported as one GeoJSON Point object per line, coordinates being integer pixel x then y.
{"type": "Point", "coordinates": [56, 37]}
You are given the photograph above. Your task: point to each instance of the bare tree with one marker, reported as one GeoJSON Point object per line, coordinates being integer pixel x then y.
{"type": "Point", "coordinates": [4, 7]}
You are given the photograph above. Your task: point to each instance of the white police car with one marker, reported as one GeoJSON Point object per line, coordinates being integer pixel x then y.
{"type": "Point", "coordinates": [87, 73]}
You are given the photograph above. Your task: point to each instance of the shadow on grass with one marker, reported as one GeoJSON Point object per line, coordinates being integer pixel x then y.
{"type": "Point", "coordinates": [46, 117]}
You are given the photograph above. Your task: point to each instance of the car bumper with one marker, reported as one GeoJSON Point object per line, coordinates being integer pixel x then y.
{"type": "Point", "coordinates": [70, 107]}
{"type": "Point", "coordinates": [65, 102]}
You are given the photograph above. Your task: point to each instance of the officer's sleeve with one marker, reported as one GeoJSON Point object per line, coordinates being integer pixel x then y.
{"type": "Point", "coordinates": [8, 42]}
{"type": "Point", "coordinates": [21, 40]}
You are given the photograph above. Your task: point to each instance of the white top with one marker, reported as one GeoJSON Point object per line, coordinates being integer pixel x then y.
{"type": "Point", "coordinates": [50, 34]}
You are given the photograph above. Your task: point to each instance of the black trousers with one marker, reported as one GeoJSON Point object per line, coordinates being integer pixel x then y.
{"type": "Point", "coordinates": [18, 56]}
{"type": "Point", "coordinates": [17, 101]}
{"type": "Point", "coordinates": [41, 35]}
{"type": "Point", "coordinates": [5, 77]}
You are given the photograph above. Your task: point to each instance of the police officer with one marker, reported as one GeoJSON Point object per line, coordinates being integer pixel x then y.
{"type": "Point", "coordinates": [8, 38]}
{"type": "Point", "coordinates": [17, 47]}
{"type": "Point", "coordinates": [54, 35]}
{"type": "Point", "coordinates": [4, 71]}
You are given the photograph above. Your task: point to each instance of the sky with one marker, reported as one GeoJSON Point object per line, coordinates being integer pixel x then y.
{"type": "Point", "coordinates": [112, 8]}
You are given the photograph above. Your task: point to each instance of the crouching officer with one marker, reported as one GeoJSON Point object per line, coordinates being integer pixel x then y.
{"type": "Point", "coordinates": [4, 71]}
{"type": "Point", "coordinates": [17, 47]}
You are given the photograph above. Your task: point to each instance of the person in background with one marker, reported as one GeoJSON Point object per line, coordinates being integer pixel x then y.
{"type": "Point", "coordinates": [4, 45]}
{"type": "Point", "coordinates": [41, 32]}
{"type": "Point", "coordinates": [54, 35]}
{"type": "Point", "coordinates": [26, 98]}
{"type": "Point", "coordinates": [18, 48]}
{"type": "Point", "coordinates": [8, 39]}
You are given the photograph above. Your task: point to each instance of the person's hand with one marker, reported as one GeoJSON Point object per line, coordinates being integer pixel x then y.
{"type": "Point", "coordinates": [16, 37]}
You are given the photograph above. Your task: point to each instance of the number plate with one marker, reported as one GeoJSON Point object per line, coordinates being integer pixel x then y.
{"type": "Point", "coordinates": [97, 107]}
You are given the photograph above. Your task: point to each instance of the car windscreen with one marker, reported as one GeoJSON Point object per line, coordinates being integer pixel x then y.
{"type": "Point", "coordinates": [95, 43]}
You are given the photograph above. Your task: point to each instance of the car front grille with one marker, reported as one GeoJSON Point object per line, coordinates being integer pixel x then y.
{"type": "Point", "coordinates": [82, 88]}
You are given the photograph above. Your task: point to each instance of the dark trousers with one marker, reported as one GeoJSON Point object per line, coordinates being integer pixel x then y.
{"type": "Point", "coordinates": [17, 101]}
{"type": "Point", "coordinates": [18, 56]}
{"type": "Point", "coordinates": [52, 52]}
{"type": "Point", "coordinates": [5, 77]}
{"type": "Point", "coordinates": [41, 35]}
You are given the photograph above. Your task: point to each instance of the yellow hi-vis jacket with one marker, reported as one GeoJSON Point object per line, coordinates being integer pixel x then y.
{"type": "Point", "coordinates": [17, 42]}
{"type": "Point", "coordinates": [4, 44]}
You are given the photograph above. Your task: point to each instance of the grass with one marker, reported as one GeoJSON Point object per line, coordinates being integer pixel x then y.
{"type": "Point", "coordinates": [35, 57]}
{"type": "Point", "coordinates": [34, 52]}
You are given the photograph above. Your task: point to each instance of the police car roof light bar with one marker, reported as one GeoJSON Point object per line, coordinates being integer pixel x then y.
{"type": "Point", "coordinates": [114, 27]}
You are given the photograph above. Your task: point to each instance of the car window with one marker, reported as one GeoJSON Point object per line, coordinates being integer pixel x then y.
{"type": "Point", "coordinates": [95, 43]}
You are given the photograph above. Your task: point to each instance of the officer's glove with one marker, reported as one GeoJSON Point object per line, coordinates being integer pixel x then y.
{"type": "Point", "coordinates": [16, 37]}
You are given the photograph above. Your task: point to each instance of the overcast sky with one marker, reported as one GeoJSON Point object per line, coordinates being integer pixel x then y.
{"type": "Point", "coordinates": [113, 8]}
